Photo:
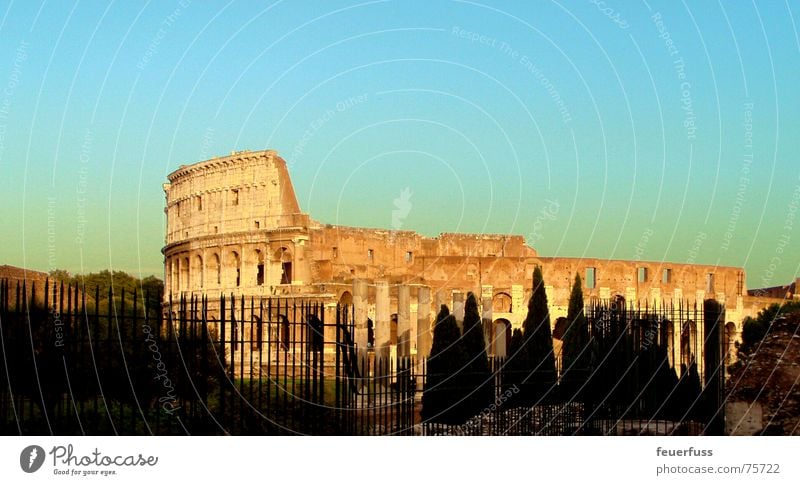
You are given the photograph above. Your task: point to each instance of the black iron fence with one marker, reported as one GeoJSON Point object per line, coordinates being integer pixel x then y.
{"type": "Point", "coordinates": [94, 362]}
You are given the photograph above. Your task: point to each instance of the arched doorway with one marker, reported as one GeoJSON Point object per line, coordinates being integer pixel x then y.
{"type": "Point", "coordinates": [688, 343]}
{"type": "Point", "coordinates": [501, 337]}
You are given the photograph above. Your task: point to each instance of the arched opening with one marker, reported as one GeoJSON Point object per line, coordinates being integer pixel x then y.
{"type": "Point", "coordinates": [370, 333]}
{"type": "Point", "coordinates": [185, 285]}
{"type": "Point", "coordinates": [234, 272]}
{"type": "Point", "coordinates": [501, 337]}
{"type": "Point", "coordinates": [197, 271]}
{"type": "Point", "coordinates": [393, 329]}
{"type": "Point", "coordinates": [688, 343]}
{"type": "Point", "coordinates": [284, 332]}
{"type": "Point", "coordinates": [174, 281]}
{"type": "Point", "coordinates": [259, 258]}
{"type": "Point", "coordinates": [258, 337]}
{"type": "Point", "coordinates": [346, 298]}
{"type": "Point", "coordinates": [502, 303]}
{"type": "Point", "coordinates": [730, 343]}
{"type": "Point", "coordinates": [285, 257]}
{"type": "Point", "coordinates": [214, 270]}
{"type": "Point", "coordinates": [668, 340]}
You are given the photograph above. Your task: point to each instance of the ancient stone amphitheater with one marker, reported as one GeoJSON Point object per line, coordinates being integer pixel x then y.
{"type": "Point", "coordinates": [234, 227]}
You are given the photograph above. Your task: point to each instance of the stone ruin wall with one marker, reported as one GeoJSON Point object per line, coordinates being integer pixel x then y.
{"type": "Point", "coordinates": [234, 226]}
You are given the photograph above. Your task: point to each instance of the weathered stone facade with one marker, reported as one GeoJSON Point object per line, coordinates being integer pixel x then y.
{"type": "Point", "coordinates": [234, 226]}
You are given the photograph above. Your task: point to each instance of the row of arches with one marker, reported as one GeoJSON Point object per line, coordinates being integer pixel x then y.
{"type": "Point", "coordinates": [226, 269]}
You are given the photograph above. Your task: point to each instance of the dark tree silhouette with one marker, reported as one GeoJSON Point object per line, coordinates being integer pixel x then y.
{"type": "Point", "coordinates": [575, 352]}
{"type": "Point", "coordinates": [478, 377]}
{"type": "Point", "coordinates": [538, 345]}
{"type": "Point", "coordinates": [443, 396]}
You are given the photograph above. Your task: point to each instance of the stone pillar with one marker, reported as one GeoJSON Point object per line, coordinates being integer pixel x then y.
{"type": "Point", "coordinates": [518, 303]}
{"type": "Point", "coordinates": [360, 303]}
{"type": "Point", "coordinates": [458, 308]}
{"type": "Point", "coordinates": [403, 321]}
{"type": "Point", "coordinates": [424, 336]}
{"type": "Point", "coordinates": [486, 316]}
{"type": "Point", "coordinates": [500, 339]}
{"type": "Point", "coordinates": [382, 327]}
{"type": "Point", "coordinates": [442, 298]}
{"type": "Point", "coordinates": [299, 264]}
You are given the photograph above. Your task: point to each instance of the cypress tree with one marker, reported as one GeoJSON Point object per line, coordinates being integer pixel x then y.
{"type": "Point", "coordinates": [442, 398]}
{"type": "Point", "coordinates": [575, 351]}
{"type": "Point", "coordinates": [514, 368]}
{"type": "Point", "coordinates": [478, 375]}
{"type": "Point", "coordinates": [538, 344]}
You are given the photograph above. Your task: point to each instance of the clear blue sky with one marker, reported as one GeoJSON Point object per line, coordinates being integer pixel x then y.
{"type": "Point", "coordinates": [651, 130]}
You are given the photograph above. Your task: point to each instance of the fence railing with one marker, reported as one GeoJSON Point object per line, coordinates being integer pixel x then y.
{"type": "Point", "coordinates": [78, 361]}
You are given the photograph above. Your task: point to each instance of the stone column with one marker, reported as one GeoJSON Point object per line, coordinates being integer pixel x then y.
{"type": "Point", "coordinates": [424, 336]}
{"type": "Point", "coordinates": [442, 298]}
{"type": "Point", "coordinates": [458, 308]}
{"type": "Point", "coordinates": [500, 330]}
{"type": "Point", "coordinates": [360, 303]}
{"type": "Point", "coordinates": [382, 320]}
{"type": "Point", "coordinates": [518, 303]}
{"type": "Point", "coordinates": [403, 321]}
{"type": "Point", "coordinates": [486, 316]}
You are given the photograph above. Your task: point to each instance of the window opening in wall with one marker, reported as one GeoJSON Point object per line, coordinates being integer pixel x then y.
{"type": "Point", "coordinates": [199, 201]}
{"type": "Point", "coordinates": [235, 197]}
{"type": "Point", "coordinates": [260, 274]}
{"type": "Point", "coordinates": [642, 275]}
{"type": "Point", "coordinates": [591, 277]}
{"type": "Point", "coordinates": [370, 255]}
{"type": "Point", "coordinates": [666, 275]}
{"type": "Point", "coordinates": [409, 257]}
{"type": "Point", "coordinates": [286, 276]}
{"type": "Point", "coordinates": [258, 224]}
{"type": "Point", "coordinates": [335, 252]}
{"type": "Point", "coordinates": [237, 277]}
{"type": "Point", "coordinates": [216, 229]}
{"type": "Point", "coordinates": [710, 283]}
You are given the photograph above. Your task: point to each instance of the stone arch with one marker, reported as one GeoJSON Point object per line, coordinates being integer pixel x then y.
{"type": "Point", "coordinates": [688, 343]}
{"type": "Point", "coordinates": [668, 340]}
{"type": "Point", "coordinates": [346, 298]}
{"type": "Point", "coordinates": [173, 266]}
{"type": "Point", "coordinates": [260, 269]}
{"type": "Point", "coordinates": [214, 271]}
{"type": "Point", "coordinates": [502, 303]}
{"type": "Point", "coordinates": [197, 272]}
{"type": "Point", "coordinates": [284, 256]}
{"type": "Point", "coordinates": [501, 337]}
{"type": "Point", "coordinates": [184, 266]}
{"type": "Point", "coordinates": [234, 269]}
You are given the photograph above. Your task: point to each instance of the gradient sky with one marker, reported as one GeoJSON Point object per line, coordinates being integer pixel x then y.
{"type": "Point", "coordinates": [635, 130]}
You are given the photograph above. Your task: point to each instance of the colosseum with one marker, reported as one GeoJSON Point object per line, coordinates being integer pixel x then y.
{"type": "Point", "coordinates": [234, 227]}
